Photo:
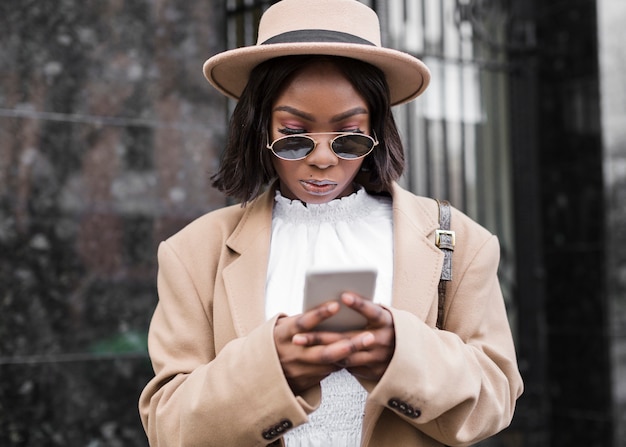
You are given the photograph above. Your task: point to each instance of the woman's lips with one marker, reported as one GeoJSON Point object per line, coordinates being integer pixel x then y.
{"type": "Point", "coordinates": [318, 187]}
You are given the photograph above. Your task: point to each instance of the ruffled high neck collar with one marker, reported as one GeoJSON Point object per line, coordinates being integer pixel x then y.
{"type": "Point", "coordinates": [354, 206]}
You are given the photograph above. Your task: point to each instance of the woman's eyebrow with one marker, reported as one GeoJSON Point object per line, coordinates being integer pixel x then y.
{"type": "Point", "coordinates": [296, 112]}
{"type": "Point", "coordinates": [349, 113]}
{"type": "Point", "coordinates": [340, 117]}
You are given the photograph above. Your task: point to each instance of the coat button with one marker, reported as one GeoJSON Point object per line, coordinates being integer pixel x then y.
{"type": "Point", "coordinates": [393, 403]}
{"type": "Point", "coordinates": [416, 413]}
{"type": "Point", "coordinates": [404, 408]}
{"type": "Point", "coordinates": [277, 430]}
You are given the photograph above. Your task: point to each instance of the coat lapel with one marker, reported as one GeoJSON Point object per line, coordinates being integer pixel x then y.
{"type": "Point", "coordinates": [417, 268]}
{"type": "Point", "coordinates": [245, 276]}
{"type": "Point", "coordinates": [417, 260]}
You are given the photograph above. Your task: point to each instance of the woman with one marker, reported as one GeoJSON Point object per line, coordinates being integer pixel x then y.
{"type": "Point", "coordinates": [313, 154]}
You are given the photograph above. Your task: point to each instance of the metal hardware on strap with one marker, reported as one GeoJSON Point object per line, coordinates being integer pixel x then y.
{"type": "Point", "coordinates": [445, 240]}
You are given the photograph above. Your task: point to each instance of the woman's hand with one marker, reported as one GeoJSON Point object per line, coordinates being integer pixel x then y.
{"type": "Point", "coordinates": [305, 366]}
{"type": "Point", "coordinates": [370, 350]}
{"type": "Point", "coordinates": [378, 340]}
{"type": "Point", "coordinates": [308, 356]}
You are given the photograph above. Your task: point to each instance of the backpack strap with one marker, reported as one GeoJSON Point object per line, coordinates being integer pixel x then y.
{"type": "Point", "coordinates": [445, 240]}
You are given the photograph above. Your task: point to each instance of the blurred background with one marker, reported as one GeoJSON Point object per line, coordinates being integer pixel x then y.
{"type": "Point", "coordinates": [109, 133]}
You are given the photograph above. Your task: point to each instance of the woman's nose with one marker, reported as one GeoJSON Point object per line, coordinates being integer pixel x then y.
{"type": "Point", "coordinates": [322, 155]}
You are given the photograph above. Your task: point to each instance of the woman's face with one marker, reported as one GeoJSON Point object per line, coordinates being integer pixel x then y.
{"type": "Point", "coordinates": [318, 99]}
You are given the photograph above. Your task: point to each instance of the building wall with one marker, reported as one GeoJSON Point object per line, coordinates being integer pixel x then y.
{"type": "Point", "coordinates": [108, 133]}
{"type": "Point", "coordinates": [612, 57]}
{"type": "Point", "coordinates": [572, 223]}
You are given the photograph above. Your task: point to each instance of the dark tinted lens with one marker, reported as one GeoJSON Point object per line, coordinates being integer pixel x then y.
{"type": "Point", "coordinates": [293, 147]}
{"type": "Point", "coordinates": [352, 146]}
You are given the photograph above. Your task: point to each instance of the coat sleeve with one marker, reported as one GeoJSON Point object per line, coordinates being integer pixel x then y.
{"type": "Point", "coordinates": [457, 385]}
{"type": "Point", "coordinates": [202, 398]}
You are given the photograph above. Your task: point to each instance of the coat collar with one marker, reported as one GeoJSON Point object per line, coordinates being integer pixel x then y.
{"type": "Point", "coordinates": [417, 261]}
{"type": "Point", "coordinates": [245, 276]}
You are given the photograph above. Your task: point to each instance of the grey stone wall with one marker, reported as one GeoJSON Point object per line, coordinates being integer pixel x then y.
{"type": "Point", "coordinates": [108, 134]}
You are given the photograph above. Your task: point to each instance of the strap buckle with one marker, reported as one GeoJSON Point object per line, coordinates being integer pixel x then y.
{"type": "Point", "coordinates": [449, 243]}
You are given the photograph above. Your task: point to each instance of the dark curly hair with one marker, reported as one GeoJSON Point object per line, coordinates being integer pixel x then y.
{"type": "Point", "coordinates": [246, 167]}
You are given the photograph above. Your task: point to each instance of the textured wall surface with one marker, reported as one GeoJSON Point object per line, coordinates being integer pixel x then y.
{"type": "Point", "coordinates": [612, 35]}
{"type": "Point", "coordinates": [108, 134]}
{"type": "Point", "coordinates": [573, 217]}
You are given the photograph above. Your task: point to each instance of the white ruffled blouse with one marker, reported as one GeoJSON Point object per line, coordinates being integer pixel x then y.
{"type": "Point", "coordinates": [354, 230]}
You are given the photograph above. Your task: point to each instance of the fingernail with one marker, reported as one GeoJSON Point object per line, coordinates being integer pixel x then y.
{"type": "Point", "coordinates": [333, 307]}
{"type": "Point", "coordinates": [348, 298]}
{"type": "Point", "coordinates": [299, 339]}
{"type": "Point", "coordinates": [368, 339]}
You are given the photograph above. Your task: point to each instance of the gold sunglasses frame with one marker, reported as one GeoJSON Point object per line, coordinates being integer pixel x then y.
{"type": "Point", "coordinates": [374, 139]}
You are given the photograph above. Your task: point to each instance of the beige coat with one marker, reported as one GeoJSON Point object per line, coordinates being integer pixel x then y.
{"type": "Point", "coordinates": [218, 378]}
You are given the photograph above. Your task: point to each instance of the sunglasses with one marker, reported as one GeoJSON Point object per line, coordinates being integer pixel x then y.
{"type": "Point", "coordinates": [347, 146]}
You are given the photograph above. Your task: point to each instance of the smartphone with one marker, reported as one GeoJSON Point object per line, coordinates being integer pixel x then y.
{"type": "Point", "coordinates": [323, 285]}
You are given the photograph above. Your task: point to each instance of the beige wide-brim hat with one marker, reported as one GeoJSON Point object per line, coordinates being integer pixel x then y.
{"type": "Point", "coordinates": [322, 27]}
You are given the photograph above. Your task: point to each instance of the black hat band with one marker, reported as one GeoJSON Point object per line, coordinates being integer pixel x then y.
{"type": "Point", "coordinates": [316, 36]}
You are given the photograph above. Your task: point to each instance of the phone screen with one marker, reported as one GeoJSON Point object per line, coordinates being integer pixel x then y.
{"type": "Point", "coordinates": [323, 285]}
